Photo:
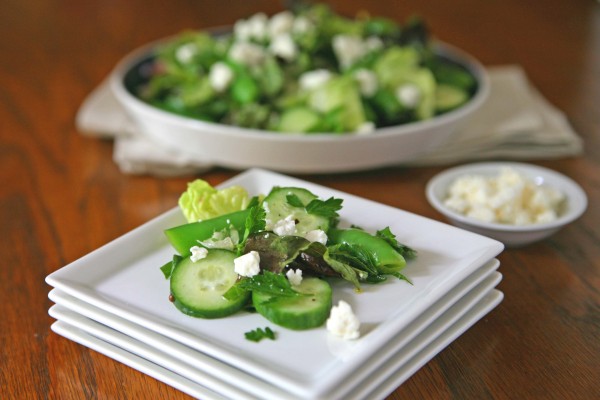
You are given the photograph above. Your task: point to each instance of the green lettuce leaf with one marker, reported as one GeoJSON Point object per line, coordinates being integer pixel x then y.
{"type": "Point", "coordinates": [201, 201]}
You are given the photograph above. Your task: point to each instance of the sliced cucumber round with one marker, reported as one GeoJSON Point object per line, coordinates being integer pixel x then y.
{"type": "Point", "coordinates": [449, 97]}
{"type": "Point", "coordinates": [298, 313]}
{"type": "Point", "coordinates": [278, 207]}
{"type": "Point", "coordinates": [298, 119]}
{"type": "Point", "coordinates": [198, 287]}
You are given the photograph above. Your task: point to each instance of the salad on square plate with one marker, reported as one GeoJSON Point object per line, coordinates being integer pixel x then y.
{"type": "Point", "coordinates": [275, 255]}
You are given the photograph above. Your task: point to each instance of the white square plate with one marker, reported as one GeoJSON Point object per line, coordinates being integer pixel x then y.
{"type": "Point", "coordinates": [141, 364]}
{"type": "Point", "coordinates": [210, 372]}
{"type": "Point", "coordinates": [123, 278]}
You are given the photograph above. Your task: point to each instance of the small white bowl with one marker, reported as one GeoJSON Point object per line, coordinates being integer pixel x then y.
{"type": "Point", "coordinates": [510, 235]}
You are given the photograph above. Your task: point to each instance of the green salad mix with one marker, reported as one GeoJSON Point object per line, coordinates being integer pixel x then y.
{"type": "Point", "coordinates": [274, 254]}
{"type": "Point", "coordinates": [308, 70]}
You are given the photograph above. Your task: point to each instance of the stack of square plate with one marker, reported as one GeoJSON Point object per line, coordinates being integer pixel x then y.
{"type": "Point", "coordinates": [115, 301]}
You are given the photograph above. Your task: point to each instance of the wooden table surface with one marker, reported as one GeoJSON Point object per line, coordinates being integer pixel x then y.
{"type": "Point", "coordinates": [61, 195]}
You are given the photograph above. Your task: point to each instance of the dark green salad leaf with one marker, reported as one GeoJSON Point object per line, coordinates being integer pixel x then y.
{"type": "Point", "coordinates": [321, 254]}
{"type": "Point", "coordinates": [276, 252]}
{"type": "Point", "coordinates": [387, 235]}
{"type": "Point", "coordinates": [359, 259]}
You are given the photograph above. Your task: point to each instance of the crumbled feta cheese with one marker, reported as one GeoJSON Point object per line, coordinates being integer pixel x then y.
{"type": "Point", "coordinates": [302, 25]}
{"type": "Point", "coordinates": [285, 227]}
{"type": "Point", "coordinates": [373, 43]}
{"type": "Point", "coordinates": [241, 30]}
{"type": "Point", "coordinates": [508, 198]}
{"type": "Point", "coordinates": [482, 213]}
{"type": "Point", "coordinates": [313, 79]}
{"type": "Point", "coordinates": [546, 216]}
{"type": "Point", "coordinates": [259, 25]}
{"type": "Point", "coordinates": [255, 27]}
{"type": "Point", "coordinates": [342, 322]}
{"type": "Point", "coordinates": [225, 239]}
{"type": "Point", "coordinates": [247, 53]}
{"type": "Point", "coordinates": [317, 235]}
{"type": "Point", "coordinates": [367, 81]}
{"type": "Point", "coordinates": [220, 76]}
{"type": "Point", "coordinates": [198, 253]}
{"type": "Point", "coordinates": [248, 264]}
{"type": "Point", "coordinates": [281, 23]}
{"type": "Point", "coordinates": [348, 49]}
{"type": "Point", "coordinates": [409, 95]}
{"type": "Point", "coordinates": [283, 46]}
{"type": "Point", "coordinates": [186, 52]}
{"type": "Point", "coordinates": [295, 277]}
{"type": "Point", "coordinates": [365, 127]}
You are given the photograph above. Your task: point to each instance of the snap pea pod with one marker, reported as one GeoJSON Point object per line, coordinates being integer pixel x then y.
{"type": "Point", "coordinates": [183, 237]}
{"type": "Point", "coordinates": [388, 260]}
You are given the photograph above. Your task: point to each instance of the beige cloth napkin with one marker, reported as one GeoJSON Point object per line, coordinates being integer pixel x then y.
{"type": "Point", "coordinates": [514, 123]}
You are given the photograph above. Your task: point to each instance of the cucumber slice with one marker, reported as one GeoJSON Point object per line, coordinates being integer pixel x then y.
{"type": "Point", "coordinates": [298, 119]}
{"type": "Point", "coordinates": [198, 287]}
{"type": "Point", "coordinates": [449, 97]}
{"type": "Point", "coordinates": [298, 313]}
{"type": "Point", "coordinates": [278, 208]}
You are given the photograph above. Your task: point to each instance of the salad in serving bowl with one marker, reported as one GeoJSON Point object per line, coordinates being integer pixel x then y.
{"type": "Point", "coordinates": [310, 78]}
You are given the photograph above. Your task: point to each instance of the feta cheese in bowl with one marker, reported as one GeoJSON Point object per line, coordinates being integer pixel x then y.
{"type": "Point", "coordinates": [515, 203]}
{"type": "Point", "coordinates": [508, 198]}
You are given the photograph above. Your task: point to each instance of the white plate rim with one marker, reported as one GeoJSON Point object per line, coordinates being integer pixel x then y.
{"type": "Point", "coordinates": [384, 388]}
{"type": "Point", "coordinates": [484, 278]}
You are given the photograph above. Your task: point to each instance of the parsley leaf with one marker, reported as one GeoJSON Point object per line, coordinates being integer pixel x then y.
{"type": "Point", "coordinates": [254, 201]}
{"type": "Point", "coordinates": [327, 208]}
{"type": "Point", "coordinates": [294, 201]}
{"type": "Point", "coordinates": [256, 335]}
{"type": "Point", "coordinates": [255, 222]}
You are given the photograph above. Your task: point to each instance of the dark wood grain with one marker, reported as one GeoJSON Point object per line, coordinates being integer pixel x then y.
{"type": "Point", "coordinates": [61, 195]}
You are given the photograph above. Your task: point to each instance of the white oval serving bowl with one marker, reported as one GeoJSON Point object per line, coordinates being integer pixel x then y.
{"type": "Point", "coordinates": [511, 235]}
{"type": "Point", "coordinates": [240, 148]}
